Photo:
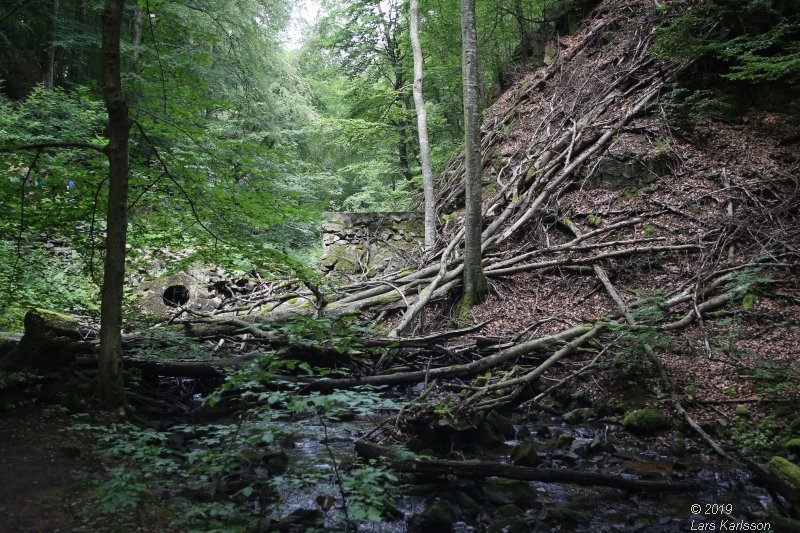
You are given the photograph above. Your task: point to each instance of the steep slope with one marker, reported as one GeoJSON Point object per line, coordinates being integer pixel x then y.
{"type": "Point", "coordinates": [727, 201]}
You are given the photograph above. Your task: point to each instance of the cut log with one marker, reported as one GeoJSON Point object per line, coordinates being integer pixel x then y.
{"type": "Point", "coordinates": [51, 342]}
{"type": "Point", "coordinates": [483, 469]}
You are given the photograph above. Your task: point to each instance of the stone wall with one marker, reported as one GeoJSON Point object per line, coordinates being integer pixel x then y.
{"type": "Point", "coordinates": [371, 243]}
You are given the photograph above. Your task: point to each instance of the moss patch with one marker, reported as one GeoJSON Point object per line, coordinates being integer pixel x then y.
{"type": "Point", "coordinates": [647, 420]}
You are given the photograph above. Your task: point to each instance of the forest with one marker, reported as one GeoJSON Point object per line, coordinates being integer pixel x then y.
{"type": "Point", "coordinates": [400, 265]}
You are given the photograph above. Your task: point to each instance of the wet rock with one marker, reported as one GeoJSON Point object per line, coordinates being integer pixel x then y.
{"type": "Point", "coordinates": [438, 517]}
{"type": "Point", "coordinates": [523, 432]}
{"type": "Point", "coordinates": [580, 447]}
{"type": "Point", "coordinates": [792, 445]}
{"type": "Point", "coordinates": [276, 463]}
{"type": "Point", "coordinates": [644, 421]}
{"type": "Point", "coordinates": [509, 525]}
{"type": "Point", "coordinates": [678, 445]}
{"type": "Point", "coordinates": [509, 510]}
{"type": "Point", "coordinates": [564, 440]}
{"type": "Point", "coordinates": [787, 477]}
{"type": "Point", "coordinates": [300, 520]}
{"type": "Point", "coordinates": [600, 444]}
{"type": "Point", "coordinates": [486, 437]}
{"type": "Point", "coordinates": [543, 432]}
{"type": "Point", "coordinates": [463, 503]}
{"type": "Point", "coordinates": [625, 455]}
{"type": "Point", "coordinates": [602, 408]}
{"type": "Point", "coordinates": [570, 458]}
{"type": "Point", "coordinates": [505, 491]}
{"type": "Point", "coordinates": [524, 455]}
{"type": "Point", "coordinates": [576, 416]}
{"type": "Point", "coordinates": [564, 515]}
{"type": "Point", "coordinates": [502, 424]}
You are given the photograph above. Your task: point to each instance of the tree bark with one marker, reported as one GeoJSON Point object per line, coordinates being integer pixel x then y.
{"type": "Point", "coordinates": [110, 384]}
{"type": "Point", "coordinates": [48, 76]}
{"type": "Point", "coordinates": [475, 285]}
{"type": "Point", "coordinates": [422, 129]}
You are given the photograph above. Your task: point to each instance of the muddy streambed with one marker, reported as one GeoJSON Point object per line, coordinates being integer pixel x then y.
{"type": "Point", "coordinates": [306, 496]}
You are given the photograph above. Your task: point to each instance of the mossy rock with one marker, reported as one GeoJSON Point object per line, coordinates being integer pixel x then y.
{"type": "Point", "coordinates": [70, 449]}
{"type": "Point", "coordinates": [644, 421]}
{"type": "Point", "coordinates": [437, 517]}
{"type": "Point", "coordinates": [742, 410]}
{"type": "Point", "coordinates": [794, 426]}
{"type": "Point", "coordinates": [784, 411]}
{"type": "Point", "coordinates": [276, 463]}
{"type": "Point", "coordinates": [505, 491]}
{"type": "Point", "coordinates": [486, 437]}
{"type": "Point", "coordinates": [792, 445]}
{"type": "Point", "coordinates": [524, 455]}
{"type": "Point", "coordinates": [502, 424]}
{"type": "Point", "coordinates": [563, 515]}
{"type": "Point", "coordinates": [300, 520]}
{"type": "Point", "coordinates": [463, 503]}
{"type": "Point", "coordinates": [602, 407]}
{"type": "Point", "coordinates": [786, 476]}
{"type": "Point", "coordinates": [564, 440]}
{"type": "Point", "coordinates": [576, 416]}
{"type": "Point", "coordinates": [509, 510]}
{"type": "Point", "coordinates": [515, 524]}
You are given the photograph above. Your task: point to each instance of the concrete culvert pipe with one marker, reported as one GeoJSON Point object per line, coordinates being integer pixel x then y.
{"type": "Point", "coordinates": [176, 295]}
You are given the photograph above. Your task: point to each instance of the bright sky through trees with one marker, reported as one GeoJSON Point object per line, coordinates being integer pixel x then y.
{"type": "Point", "coordinates": [304, 14]}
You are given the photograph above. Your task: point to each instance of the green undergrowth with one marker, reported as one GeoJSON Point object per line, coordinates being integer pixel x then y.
{"type": "Point", "coordinates": [232, 474]}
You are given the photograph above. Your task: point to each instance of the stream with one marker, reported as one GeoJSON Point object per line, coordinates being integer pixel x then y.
{"type": "Point", "coordinates": [729, 496]}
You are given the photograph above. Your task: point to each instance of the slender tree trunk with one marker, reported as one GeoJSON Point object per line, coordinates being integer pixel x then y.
{"type": "Point", "coordinates": [475, 285]}
{"type": "Point", "coordinates": [48, 76]}
{"type": "Point", "coordinates": [78, 70]}
{"type": "Point", "coordinates": [402, 131]}
{"type": "Point", "coordinates": [524, 41]}
{"type": "Point", "coordinates": [422, 128]}
{"type": "Point", "coordinates": [110, 365]}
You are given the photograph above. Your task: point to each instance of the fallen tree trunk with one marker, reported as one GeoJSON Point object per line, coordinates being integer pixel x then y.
{"type": "Point", "coordinates": [483, 469]}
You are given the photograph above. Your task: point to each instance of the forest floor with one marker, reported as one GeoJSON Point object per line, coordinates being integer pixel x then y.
{"type": "Point", "coordinates": [42, 474]}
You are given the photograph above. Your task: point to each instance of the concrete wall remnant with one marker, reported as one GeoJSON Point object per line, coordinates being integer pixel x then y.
{"type": "Point", "coordinates": [371, 243]}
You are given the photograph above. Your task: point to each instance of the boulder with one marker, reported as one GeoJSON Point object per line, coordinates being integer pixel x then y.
{"type": "Point", "coordinates": [515, 524]}
{"type": "Point", "coordinates": [576, 416]}
{"type": "Point", "coordinates": [502, 424]}
{"type": "Point", "coordinates": [524, 455]}
{"type": "Point", "coordinates": [438, 517]}
{"type": "Point", "coordinates": [786, 477]}
{"type": "Point", "coordinates": [645, 421]}
{"type": "Point", "coordinates": [505, 491]}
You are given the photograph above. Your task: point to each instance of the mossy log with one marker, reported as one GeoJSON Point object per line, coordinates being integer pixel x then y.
{"type": "Point", "coordinates": [51, 342]}
{"type": "Point", "coordinates": [484, 469]}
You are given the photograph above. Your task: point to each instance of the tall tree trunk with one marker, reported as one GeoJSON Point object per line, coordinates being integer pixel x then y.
{"type": "Point", "coordinates": [524, 41]}
{"type": "Point", "coordinates": [475, 285]}
{"type": "Point", "coordinates": [402, 125]}
{"type": "Point", "coordinates": [110, 371]}
{"type": "Point", "coordinates": [422, 129]}
{"type": "Point", "coordinates": [49, 71]}
{"type": "Point", "coordinates": [78, 70]}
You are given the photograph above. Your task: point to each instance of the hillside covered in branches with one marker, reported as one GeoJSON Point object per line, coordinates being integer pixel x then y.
{"type": "Point", "coordinates": [597, 330]}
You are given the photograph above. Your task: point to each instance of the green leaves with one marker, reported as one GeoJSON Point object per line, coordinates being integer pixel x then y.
{"type": "Point", "coordinates": [753, 40]}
